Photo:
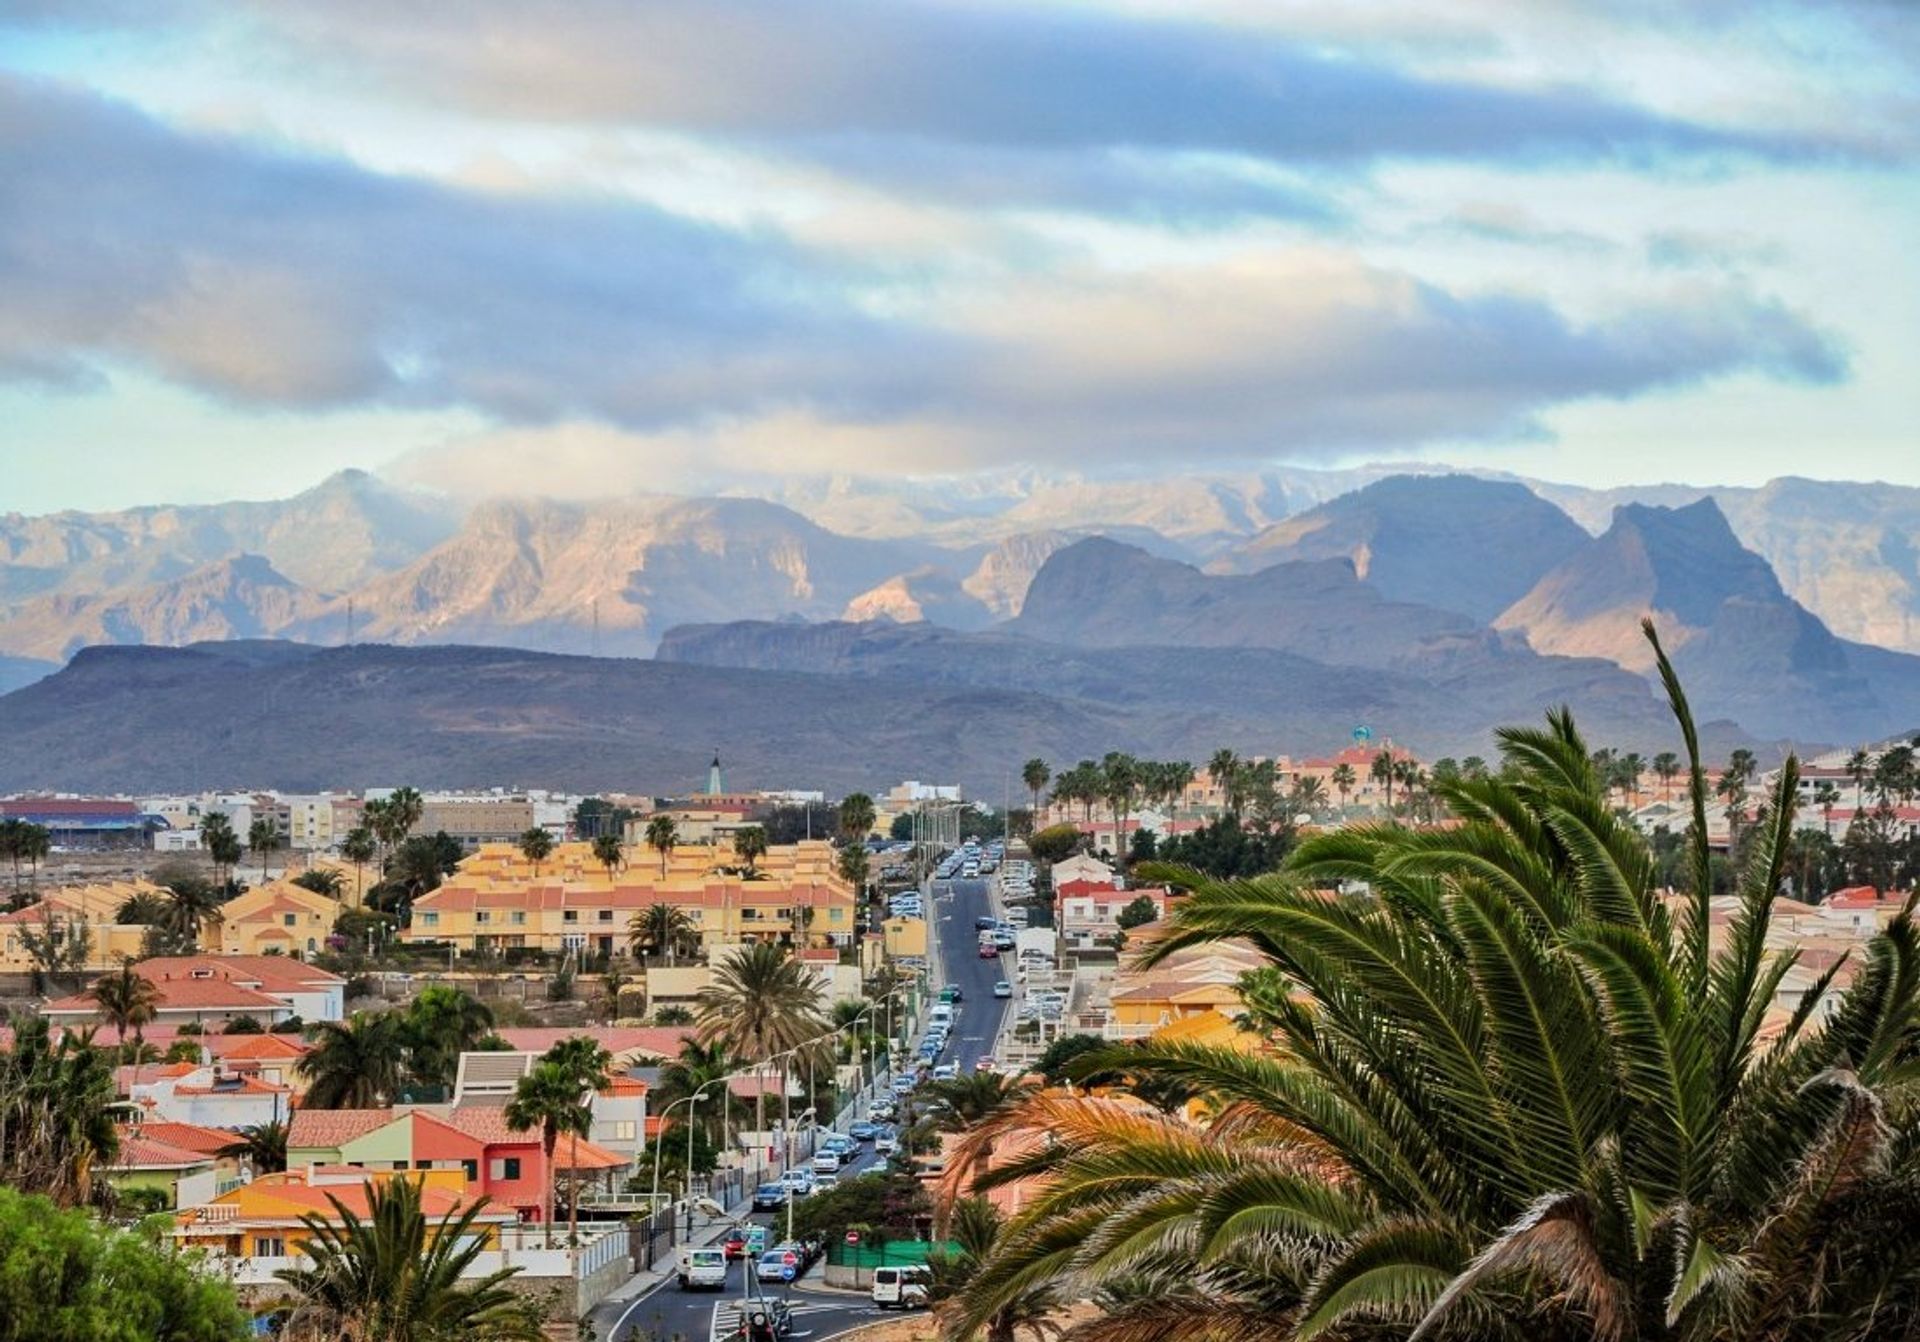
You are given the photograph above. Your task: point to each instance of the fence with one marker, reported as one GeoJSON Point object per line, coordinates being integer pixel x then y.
{"type": "Point", "coordinates": [889, 1253]}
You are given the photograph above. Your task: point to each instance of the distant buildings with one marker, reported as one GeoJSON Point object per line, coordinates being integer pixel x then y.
{"type": "Point", "coordinates": [212, 990]}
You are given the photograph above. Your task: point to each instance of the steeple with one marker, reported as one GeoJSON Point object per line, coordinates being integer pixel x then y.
{"type": "Point", "coordinates": [713, 776]}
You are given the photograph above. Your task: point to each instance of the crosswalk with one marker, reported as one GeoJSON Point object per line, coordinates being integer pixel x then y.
{"type": "Point", "coordinates": [728, 1315]}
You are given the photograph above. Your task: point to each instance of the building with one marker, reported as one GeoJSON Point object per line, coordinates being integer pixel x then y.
{"type": "Point", "coordinates": [263, 1219]}
{"type": "Point", "coordinates": [497, 900]}
{"type": "Point", "coordinates": [215, 989]}
{"type": "Point", "coordinates": [204, 1095]}
{"type": "Point", "coordinates": [147, 1161]}
{"type": "Point", "coordinates": [1192, 981]}
{"type": "Point", "coordinates": [278, 918]}
{"type": "Point", "coordinates": [1087, 913]}
{"type": "Point", "coordinates": [476, 820]}
{"type": "Point", "coordinates": [85, 822]}
{"type": "Point", "coordinates": [487, 1080]}
{"type": "Point", "coordinates": [309, 822]}
{"type": "Point", "coordinates": [91, 910]}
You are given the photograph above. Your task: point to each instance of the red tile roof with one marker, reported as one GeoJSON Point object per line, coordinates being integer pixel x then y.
{"type": "Point", "coordinates": [660, 1041]}
{"type": "Point", "coordinates": [186, 995]}
{"type": "Point", "coordinates": [327, 1129]}
{"type": "Point", "coordinates": [188, 1136]}
{"type": "Point", "coordinates": [141, 1152]}
{"type": "Point", "coordinates": [573, 1153]}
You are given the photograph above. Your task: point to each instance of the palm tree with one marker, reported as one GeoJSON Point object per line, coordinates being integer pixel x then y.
{"type": "Point", "coordinates": [857, 815]}
{"type": "Point", "coordinates": [660, 929]}
{"type": "Point", "coordinates": [396, 1277]}
{"type": "Point", "coordinates": [126, 1001]}
{"type": "Point", "coordinates": [750, 845]}
{"type": "Point", "coordinates": [146, 909]}
{"type": "Point", "coordinates": [56, 1117]}
{"type": "Point", "coordinates": [609, 852]}
{"type": "Point", "coordinates": [1309, 793]}
{"type": "Point", "coordinates": [536, 845]}
{"type": "Point", "coordinates": [974, 1231]}
{"type": "Point", "coordinates": [263, 836]}
{"type": "Point", "coordinates": [262, 1145]}
{"type": "Point", "coordinates": [1513, 1094]}
{"type": "Point", "coordinates": [192, 906]}
{"type": "Point", "coordinates": [1859, 769]}
{"type": "Point", "coordinates": [759, 1002]}
{"type": "Point", "coordinates": [694, 1070]}
{"type": "Point", "coordinates": [354, 1064]}
{"type": "Point", "coordinates": [1035, 773]}
{"type": "Point", "coordinates": [359, 847]}
{"type": "Point", "coordinates": [661, 834]}
{"type": "Point", "coordinates": [1666, 765]}
{"type": "Point", "coordinates": [1826, 796]}
{"type": "Point", "coordinates": [1344, 780]}
{"type": "Point", "coordinates": [1222, 769]}
{"type": "Point", "coordinates": [588, 1064]}
{"type": "Point", "coordinates": [1120, 779]}
{"type": "Point", "coordinates": [440, 1024]}
{"type": "Point", "coordinates": [1381, 771]}
{"type": "Point", "coordinates": [222, 845]}
{"type": "Point", "coordinates": [550, 1098]}
{"type": "Point", "coordinates": [322, 881]}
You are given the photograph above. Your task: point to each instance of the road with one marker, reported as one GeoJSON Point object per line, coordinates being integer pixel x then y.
{"type": "Point", "coordinates": [667, 1312]}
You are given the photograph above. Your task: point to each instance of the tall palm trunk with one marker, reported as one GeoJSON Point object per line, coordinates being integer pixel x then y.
{"type": "Point", "coordinates": [549, 1138]}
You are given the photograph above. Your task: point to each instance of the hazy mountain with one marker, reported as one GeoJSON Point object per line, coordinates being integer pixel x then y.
{"type": "Point", "coordinates": [18, 671]}
{"type": "Point", "coordinates": [542, 574]}
{"type": "Point", "coordinates": [341, 532]}
{"type": "Point", "coordinates": [925, 594]}
{"type": "Point", "coordinates": [1453, 541]}
{"type": "Point", "coordinates": [239, 597]}
{"type": "Point", "coordinates": [1746, 649]}
{"type": "Point", "coordinates": [154, 719]}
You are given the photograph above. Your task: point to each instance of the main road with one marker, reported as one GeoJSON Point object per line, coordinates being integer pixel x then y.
{"type": "Point", "coordinates": [666, 1312]}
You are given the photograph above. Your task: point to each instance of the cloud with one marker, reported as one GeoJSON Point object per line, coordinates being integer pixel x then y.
{"type": "Point", "coordinates": [302, 282]}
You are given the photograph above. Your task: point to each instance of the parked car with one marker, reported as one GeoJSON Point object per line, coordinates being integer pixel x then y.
{"type": "Point", "coordinates": [946, 1071]}
{"type": "Point", "coordinates": [769, 1197]}
{"type": "Point", "coordinates": [863, 1130]}
{"type": "Point", "coordinates": [734, 1243]}
{"type": "Point", "coordinates": [775, 1263]}
{"type": "Point", "coordinates": [701, 1269]}
{"type": "Point", "coordinates": [1003, 989]}
{"type": "Point", "coordinates": [952, 994]}
{"type": "Point", "coordinates": [989, 951]}
{"type": "Point", "coordinates": [886, 1144]}
{"type": "Point", "coordinates": [827, 1162]}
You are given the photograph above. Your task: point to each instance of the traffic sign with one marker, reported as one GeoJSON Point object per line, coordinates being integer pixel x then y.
{"type": "Point", "coordinates": [787, 1272]}
{"type": "Point", "coordinates": [853, 1237]}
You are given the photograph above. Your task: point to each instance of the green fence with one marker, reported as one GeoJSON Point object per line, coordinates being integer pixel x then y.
{"type": "Point", "coordinates": [893, 1253]}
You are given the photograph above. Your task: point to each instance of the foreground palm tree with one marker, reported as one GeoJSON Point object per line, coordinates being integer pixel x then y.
{"type": "Point", "coordinates": [761, 1002]}
{"type": "Point", "coordinates": [55, 1124]}
{"type": "Point", "coordinates": [973, 1231]}
{"type": "Point", "coordinates": [354, 1064]}
{"type": "Point", "coordinates": [396, 1277]}
{"type": "Point", "coordinates": [551, 1099]}
{"type": "Point", "coordinates": [1515, 1094]}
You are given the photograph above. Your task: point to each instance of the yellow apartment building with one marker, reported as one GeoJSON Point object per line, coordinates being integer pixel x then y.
{"type": "Point", "coordinates": [64, 910]}
{"type": "Point", "coordinates": [496, 898]}
{"type": "Point", "coordinates": [278, 918]}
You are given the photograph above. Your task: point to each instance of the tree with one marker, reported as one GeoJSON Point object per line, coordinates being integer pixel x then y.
{"type": "Point", "coordinates": [58, 946]}
{"type": "Point", "coordinates": [440, 1024]}
{"type": "Point", "coordinates": [609, 852]}
{"type": "Point", "coordinates": [221, 844]}
{"type": "Point", "coordinates": [1138, 912]}
{"type": "Point", "coordinates": [1382, 771]}
{"type": "Point", "coordinates": [1036, 774]}
{"type": "Point", "coordinates": [23, 841]}
{"type": "Point", "coordinates": [1859, 769]}
{"type": "Point", "coordinates": [1120, 780]}
{"type": "Point", "coordinates": [536, 845]}
{"type": "Point", "coordinates": [596, 816]}
{"type": "Point", "coordinates": [71, 1278]}
{"type": "Point", "coordinates": [549, 1097]}
{"type": "Point", "coordinates": [146, 909]}
{"type": "Point", "coordinates": [1055, 843]}
{"type": "Point", "coordinates": [760, 1002]}
{"type": "Point", "coordinates": [193, 906]}
{"type": "Point", "coordinates": [357, 1063]}
{"type": "Point", "coordinates": [974, 1230]}
{"type": "Point", "coordinates": [397, 1277]}
{"type": "Point", "coordinates": [1344, 780]}
{"type": "Point", "coordinates": [243, 1025]}
{"type": "Point", "coordinates": [1826, 796]}
{"type": "Point", "coordinates": [359, 847]}
{"type": "Point", "coordinates": [126, 1001]}
{"type": "Point", "coordinates": [1224, 769]}
{"type": "Point", "coordinates": [856, 817]}
{"type": "Point", "coordinates": [661, 836]}
{"type": "Point", "coordinates": [586, 1063]}
{"type": "Point", "coordinates": [1514, 1094]}
{"type": "Point", "coordinates": [263, 837]}
{"type": "Point", "coordinates": [262, 1145]}
{"type": "Point", "coordinates": [660, 929]}
{"type": "Point", "coordinates": [750, 845]}
{"type": "Point", "coordinates": [56, 1125]}
{"type": "Point", "coordinates": [855, 867]}
{"type": "Point", "coordinates": [1666, 767]}
{"type": "Point", "coordinates": [1054, 1063]}
{"type": "Point", "coordinates": [322, 881]}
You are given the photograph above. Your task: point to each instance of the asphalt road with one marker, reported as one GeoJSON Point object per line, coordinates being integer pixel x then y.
{"type": "Point", "coordinates": [668, 1313]}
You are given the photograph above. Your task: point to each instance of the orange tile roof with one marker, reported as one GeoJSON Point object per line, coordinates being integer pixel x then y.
{"type": "Point", "coordinates": [489, 1125]}
{"type": "Point", "coordinates": [330, 1128]}
{"type": "Point", "coordinates": [241, 1048]}
{"type": "Point", "coordinates": [277, 972]}
{"type": "Point", "coordinates": [660, 1041]}
{"type": "Point", "coordinates": [139, 1152]}
{"type": "Point", "coordinates": [188, 1136]}
{"type": "Point", "coordinates": [187, 995]}
{"type": "Point", "coordinates": [237, 1085]}
{"type": "Point", "coordinates": [575, 1153]}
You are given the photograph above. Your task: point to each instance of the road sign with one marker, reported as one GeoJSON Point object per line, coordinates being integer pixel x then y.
{"type": "Point", "coordinates": [853, 1237]}
{"type": "Point", "coordinates": [787, 1273]}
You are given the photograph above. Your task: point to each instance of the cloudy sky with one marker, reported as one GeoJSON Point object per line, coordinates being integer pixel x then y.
{"type": "Point", "coordinates": [534, 245]}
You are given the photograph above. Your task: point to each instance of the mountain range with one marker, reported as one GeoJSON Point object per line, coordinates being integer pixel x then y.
{"type": "Point", "coordinates": [1429, 603]}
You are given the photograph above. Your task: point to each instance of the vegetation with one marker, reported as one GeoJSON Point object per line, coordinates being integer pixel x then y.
{"type": "Point", "coordinates": [55, 1125]}
{"type": "Point", "coordinates": [761, 1002]}
{"type": "Point", "coordinates": [556, 1097]}
{"type": "Point", "coordinates": [126, 1001]}
{"type": "Point", "coordinates": [440, 1024]}
{"type": "Point", "coordinates": [222, 847]}
{"type": "Point", "coordinates": [358, 1063]}
{"type": "Point", "coordinates": [750, 845]}
{"type": "Point", "coordinates": [885, 1204]}
{"type": "Point", "coordinates": [262, 1145]}
{"type": "Point", "coordinates": [1055, 843]}
{"type": "Point", "coordinates": [1225, 848]}
{"type": "Point", "coordinates": [1513, 1093]}
{"type": "Point", "coordinates": [23, 841]}
{"type": "Point", "coordinates": [397, 1277]}
{"type": "Point", "coordinates": [975, 1229]}
{"type": "Point", "coordinates": [263, 839]}
{"type": "Point", "coordinates": [609, 852]}
{"type": "Point", "coordinates": [661, 836]}
{"type": "Point", "coordinates": [359, 847]}
{"type": "Point", "coordinates": [536, 845]}
{"type": "Point", "coordinates": [322, 881]}
{"type": "Point", "coordinates": [1138, 912]}
{"type": "Point", "coordinates": [67, 1277]}
{"type": "Point", "coordinates": [661, 929]}
{"type": "Point", "coordinates": [57, 946]}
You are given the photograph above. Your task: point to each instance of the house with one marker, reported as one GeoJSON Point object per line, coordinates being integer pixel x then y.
{"type": "Point", "coordinates": [472, 1142]}
{"type": "Point", "coordinates": [1087, 913]}
{"type": "Point", "coordinates": [216, 989]}
{"type": "Point", "coordinates": [91, 823]}
{"type": "Point", "coordinates": [262, 1219]}
{"type": "Point", "coordinates": [91, 910]}
{"type": "Point", "coordinates": [496, 899]}
{"type": "Point", "coordinates": [1082, 867]}
{"type": "Point", "coordinates": [146, 1161]}
{"type": "Point", "coordinates": [1191, 981]}
{"type": "Point", "coordinates": [1863, 909]}
{"type": "Point", "coordinates": [278, 918]}
{"type": "Point", "coordinates": [619, 1110]}
{"type": "Point", "coordinates": [207, 1095]}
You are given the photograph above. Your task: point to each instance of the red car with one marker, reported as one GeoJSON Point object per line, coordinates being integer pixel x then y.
{"type": "Point", "coordinates": [735, 1243]}
{"type": "Point", "coordinates": [989, 951]}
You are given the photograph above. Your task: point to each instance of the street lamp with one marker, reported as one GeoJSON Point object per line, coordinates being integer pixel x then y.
{"type": "Point", "coordinates": [653, 1201]}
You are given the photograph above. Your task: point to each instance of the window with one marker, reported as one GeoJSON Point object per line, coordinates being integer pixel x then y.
{"type": "Point", "coordinates": [287, 920]}
{"type": "Point", "coordinates": [606, 915]}
{"type": "Point", "coordinates": [470, 1168]}
{"type": "Point", "coordinates": [503, 1167]}
{"type": "Point", "coordinates": [269, 1246]}
{"type": "Point", "coordinates": [430, 920]}
{"type": "Point", "coordinates": [624, 1132]}
{"type": "Point", "coordinates": [518, 918]}
{"type": "Point", "coordinates": [483, 917]}
{"type": "Point", "coordinates": [570, 916]}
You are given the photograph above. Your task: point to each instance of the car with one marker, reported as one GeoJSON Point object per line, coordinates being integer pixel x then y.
{"type": "Point", "coordinates": [1005, 939]}
{"type": "Point", "coordinates": [989, 951]}
{"type": "Point", "coordinates": [903, 1085]}
{"type": "Point", "coordinates": [902, 1287]}
{"type": "Point", "coordinates": [984, 923]}
{"type": "Point", "coordinates": [798, 1181]}
{"type": "Point", "coordinates": [985, 1065]}
{"type": "Point", "coordinates": [734, 1242]}
{"type": "Point", "coordinates": [769, 1197]}
{"type": "Point", "coordinates": [779, 1265]}
{"type": "Point", "coordinates": [878, 1113]}
{"type": "Point", "coordinates": [1003, 989]}
{"type": "Point", "coordinates": [863, 1130]}
{"type": "Point", "coordinates": [827, 1162]}
{"type": "Point", "coordinates": [952, 993]}
{"type": "Point", "coordinates": [946, 1071]}
{"type": "Point", "coordinates": [824, 1183]}
{"type": "Point", "coordinates": [886, 1144]}
{"type": "Point", "coordinates": [702, 1268]}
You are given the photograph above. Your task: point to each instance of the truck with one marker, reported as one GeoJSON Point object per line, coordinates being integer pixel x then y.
{"type": "Point", "coordinates": [701, 1268]}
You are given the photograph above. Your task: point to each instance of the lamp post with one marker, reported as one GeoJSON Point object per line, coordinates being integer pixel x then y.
{"type": "Point", "coordinates": [653, 1201]}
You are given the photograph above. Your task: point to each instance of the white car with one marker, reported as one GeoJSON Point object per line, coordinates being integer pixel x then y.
{"type": "Point", "coordinates": [946, 1071]}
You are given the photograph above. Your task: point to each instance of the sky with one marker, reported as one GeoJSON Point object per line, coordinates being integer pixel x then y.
{"type": "Point", "coordinates": [527, 246]}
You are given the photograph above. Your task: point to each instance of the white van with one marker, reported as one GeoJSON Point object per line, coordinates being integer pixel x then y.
{"type": "Point", "coordinates": [901, 1287]}
{"type": "Point", "coordinates": [702, 1269]}
{"type": "Point", "coordinates": [941, 1015]}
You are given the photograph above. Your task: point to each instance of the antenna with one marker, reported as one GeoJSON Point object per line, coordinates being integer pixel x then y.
{"type": "Point", "coordinates": [349, 622]}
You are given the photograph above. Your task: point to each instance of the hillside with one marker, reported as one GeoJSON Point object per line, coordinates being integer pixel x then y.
{"type": "Point", "coordinates": [1747, 650]}
{"type": "Point", "coordinates": [1455, 542]}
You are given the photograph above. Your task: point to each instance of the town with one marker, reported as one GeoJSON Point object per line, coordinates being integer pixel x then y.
{"type": "Point", "coordinates": [630, 1044]}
